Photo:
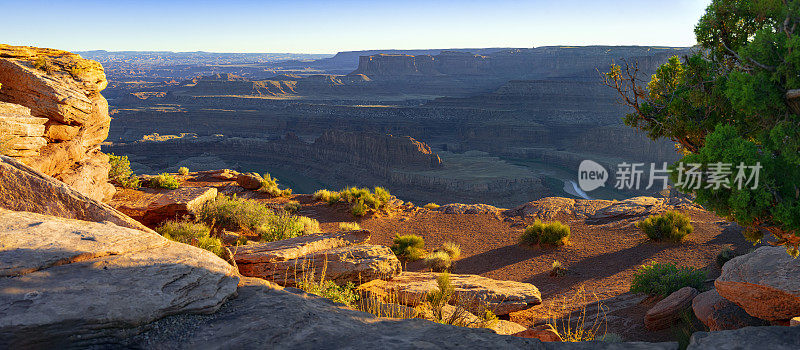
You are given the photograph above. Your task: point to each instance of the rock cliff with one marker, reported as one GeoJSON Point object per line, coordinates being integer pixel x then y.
{"type": "Point", "coordinates": [53, 116]}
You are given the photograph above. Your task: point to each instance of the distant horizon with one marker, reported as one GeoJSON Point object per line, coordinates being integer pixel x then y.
{"type": "Point", "coordinates": [325, 27]}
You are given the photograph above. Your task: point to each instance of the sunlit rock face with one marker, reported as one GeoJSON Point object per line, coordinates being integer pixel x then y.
{"type": "Point", "coordinates": [54, 117]}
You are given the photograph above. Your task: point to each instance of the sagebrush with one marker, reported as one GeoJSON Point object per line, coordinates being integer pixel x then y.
{"type": "Point", "coordinates": [554, 233]}
{"type": "Point", "coordinates": [664, 279]}
{"type": "Point", "coordinates": [670, 226]}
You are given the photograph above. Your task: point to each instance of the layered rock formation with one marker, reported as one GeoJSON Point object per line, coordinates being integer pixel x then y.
{"type": "Point", "coordinates": [65, 89]}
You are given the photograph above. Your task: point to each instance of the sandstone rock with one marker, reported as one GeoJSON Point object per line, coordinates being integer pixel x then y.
{"type": "Point", "coordinates": [507, 327]}
{"type": "Point", "coordinates": [794, 322]}
{"type": "Point", "coordinates": [458, 208]}
{"type": "Point", "coordinates": [772, 338]}
{"type": "Point", "coordinates": [297, 247]}
{"type": "Point", "coordinates": [480, 293]}
{"type": "Point", "coordinates": [220, 174]}
{"type": "Point", "coordinates": [632, 207]}
{"type": "Point", "coordinates": [765, 283]}
{"type": "Point", "coordinates": [152, 208]}
{"type": "Point", "coordinates": [669, 310]}
{"type": "Point", "coordinates": [25, 189]}
{"type": "Point", "coordinates": [64, 90]}
{"type": "Point", "coordinates": [543, 332]}
{"type": "Point", "coordinates": [250, 181]}
{"type": "Point", "coordinates": [718, 314]}
{"type": "Point", "coordinates": [358, 264]}
{"type": "Point", "coordinates": [68, 281]}
{"type": "Point", "coordinates": [551, 207]}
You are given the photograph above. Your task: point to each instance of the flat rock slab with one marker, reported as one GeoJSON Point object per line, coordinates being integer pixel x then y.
{"type": "Point", "coordinates": [152, 208]}
{"type": "Point", "coordinates": [296, 247]}
{"type": "Point", "coordinates": [357, 264]}
{"type": "Point", "coordinates": [765, 283]}
{"type": "Point", "coordinates": [552, 207]}
{"type": "Point", "coordinates": [664, 313]}
{"type": "Point", "coordinates": [718, 313]}
{"type": "Point", "coordinates": [772, 338]}
{"type": "Point", "coordinates": [263, 316]}
{"type": "Point", "coordinates": [73, 281]}
{"type": "Point", "coordinates": [24, 189]}
{"type": "Point", "coordinates": [479, 293]}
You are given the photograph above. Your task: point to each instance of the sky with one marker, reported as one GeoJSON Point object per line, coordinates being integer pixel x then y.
{"type": "Point", "coordinates": [319, 26]}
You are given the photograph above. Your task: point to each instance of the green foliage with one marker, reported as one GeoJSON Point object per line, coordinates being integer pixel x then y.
{"type": "Point", "coordinates": [283, 226]}
{"type": "Point", "coordinates": [431, 206]}
{"type": "Point", "coordinates": [358, 208]}
{"type": "Point", "coordinates": [438, 260]}
{"type": "Point", "coordinates": [728, 103]}
{"type": "Point", "coordinates": [328, 196]}
{"type": "Point", "coordinates": [452, 249]}
{"type": "Point", "coordinates": [292, 207]}
{"type": "Point", "coordinates": [43, 64]}
{"type": "Point", "coordinates": [183, 171]}
{"type": "Point", "coordinates": [269, 185]}
{"type": "Point", "coordinates": [363, 200]}
{"type": "Point", "coordinates": [164, 180]}
{"type": "Point", "coordinates": [554, 233]}
{"type": "Point", "coordinates": [349, 226]}
{"type": "Point", "coordinates": [557, 269]}
{"type": "Point", "coordinates": [408, 247]}
{"type": "Point", "coordinates": [670, 226]}
{"type": "Point", "coordinates": [328, 289]}
{"type": "Point", "coordinates": [439, 297]}
{"type": "Point", "coordinates": [664, 279]}
{"type": "Point", "coordinates": [196, 234]}
{"type": "Point", "coordinates": [235, 214]}
{"type": "Point", "coordinates": [121, 172]}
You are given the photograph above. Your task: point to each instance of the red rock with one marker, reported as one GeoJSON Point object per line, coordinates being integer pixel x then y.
{"type": "Point", "coordinates": [720, 314]}
{"type": "Point", "coordinates": [154, 207]}
{"type": "Point", "coordinates": [669, 310]}
{"type": "Point", "coordinates": [250, 181]}
{"type": "Point", "coordinates": [543, 332]}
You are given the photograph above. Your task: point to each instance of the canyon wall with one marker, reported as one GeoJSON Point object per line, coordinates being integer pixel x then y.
{"type": "Point", "coordinates": [53, 117]}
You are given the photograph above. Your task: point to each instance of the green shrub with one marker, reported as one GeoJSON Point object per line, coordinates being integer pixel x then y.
{"type": "Point", "coordinates": [664, 279]}
{"type": "Point", "coordinates": [269, 185]}
{"type": "Point", "coordinates": [196, 234]}
{"type": "Point", "coordinates": [284, 226]}
{"type": "Point", "coordinates": [409, 247]}
{"type": "Point", "coordinates": [363, 200]}
{"type": "Point", "coordinates": [557, 269]}
{"type": "Point", "coordinates": [554, 233]}
{"type": "Point", "coordinates": [671, 226]}
{"type": "Point", "coordinates": [183, 171]}
{"type": "Point", "coordinates": [440, 296]}
{"type": "Point", "coordinates": [725, 255]}
{"type": "Point", "coordinates": [164, 180]}
{"type": "Point", "coordinates": [121, 172]}
{"type": "Point", "coordinates": [234, 214]}
{"type": "Point", "coordinates": [41, 63]}
{"type": "Point", "coordinates": [431, 206]}
{"type": "Point", "coordinates": [328, 196]}
{"type": "Point", "coordinates": [349, 226]}
{"type": "Point", "coordinates": [452, 249]}
{"type": "Point", "coordinates": [439, 261]}
{"type": "Point", "coordinates": [358, 209]}
{"type": "Point", "coordinates": [292, 207]}
{"type": "Point", "coordinates": [328, 289]}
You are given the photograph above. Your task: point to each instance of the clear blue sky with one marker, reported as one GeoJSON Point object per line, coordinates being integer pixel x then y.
{"type": "Point", "coordinates": [318, 26]}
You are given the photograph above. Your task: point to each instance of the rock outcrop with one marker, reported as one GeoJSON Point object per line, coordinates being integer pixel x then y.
{"type": "Point", "coordinates": [598, 209]}
{"type": "Point", "coordinates": [342, 257]}
{"type": "Point", "coordinates": [64, 89]}
{"type": "Point", "coordinates": [667, 311]}
{"type": "Point", "coordinates": [72, 283]}
{"type": "Point", "coordinates": [478, 293]}
{"type": "Point", "coordinates": [772, 338]}
{"type": "Point", "coordinates": [22, 188]}
{"type": "Point", "coordinates": [764, 283]}
{"type": "Point", "coordinates": [718, 313]}
{"type": "Point", "coordinates": [152, 207]}
{"type": "Point", "coordinates": [458, 208]}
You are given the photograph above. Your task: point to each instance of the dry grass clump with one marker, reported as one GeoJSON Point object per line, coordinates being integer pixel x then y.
{"type": "Point", "coordinates": [292, 207]}
{"type": "Point", "coordinates": [328, 196]}
{"type": "Point", "coordinates": [442, 258]}
{"type": "Point", "coordinates": [554, 233]}
{"type": "Point", "coordinates": [362, 200]}
{"type": "Point", "coordinates": [349, 226]}
{"type": "Point", "coordinates": [269, 185]}
{"type": "Point", "coordinates": [183, 171]}
{"type": "Point", "coordinates": [192, 233]}
{"type": "Point", "coordinates": [671, 226]}
{"type": "Point", "coordinates": [236, 214]}
{"type": "Point", "coordinates": [587, 322]}
{"type": "Point", "coordinates": [665, 279]}
{"type": "Point", "coordinates": [408, 247]}
{"type": "Point", "coordinates": [163, 180]}
{"type": "Point", "coordinates": [557, 269]}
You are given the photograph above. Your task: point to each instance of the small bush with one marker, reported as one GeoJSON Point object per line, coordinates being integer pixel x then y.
{"type": "Point", "coordinates": [349, 226]}
{"type": "Point", "coordinates": [41, 63]}
{"type": "Point", "coordinates": [292, 207]}
{"type": "Point", "coordinates": [121, 172]}
{"type": "Point", "coordinates": [328, 196]}
{"type": "Point", "coordinates": [431, 206]}
{"type": "Point", "coordinates": [725, 255]}
{"type": "Point", "coordinates": [439, 261]}
{"type": "Point", "coordinates": [557, 269]}
{"type": "Point", "coordinates": [554, 233]}
{"type": "Point", "coordinates": [671, 226]}
{"type": "Point", "coordinates": [439, 297]}
{"type": "Point", "coordinates": [363, 200]}
{"type": "Point", "coordinates": [664, 279]}
{"type": "Point", "coordinates": [452, 249]}
{"type": "Point", "coordinates": [195, 234]}
{"type": "Point", "coordinates": [183, 171]}
{"type": "Point", "coordinates": [358, 209]}
{"type": "Point", "coordinates": [269, 185]}
{"type": "Point", "coordinates": [234, 214]}
{"type": "Point", "coordinates": [409, 247]}
{"type": "Point", "coordinates": [285, 226]}
{"type": "Point", "coordinates": [328, 289]}
{"type": "Point", "coordinates": [164, 180]}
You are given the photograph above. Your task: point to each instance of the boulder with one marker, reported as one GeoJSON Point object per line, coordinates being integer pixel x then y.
{"type": "Point", "coordinates": [69, 281]}
{"type": "Point", "coordinates": [718, 313]}
{"type": "Point", "coordinates": [154, 207]}
{"type": "Point", "coordinates": [25, 189]}
{"type": "Point", "coordinates": [358, 264]}
{"type": "Point", "coordinates": [765, 283]}
{"type": "Point", "coordinates": [543, 332]}
{"type": "Point", "coordinates": [552, 207]}
{"type": "Point", "coordinates": [250, 181]}
{"type": "Point", "coordinates": [63, 90]}
{"type": "Point", "coordinates": [479, 293]}
{"type": "Point", "coordinates": [669, 310]}
{"type": "Point", "coordinates": [296, 247]}
{"type": "Point", "coordinates": [507, 327]}
{"type": "Point", "coordinates": [772, 338]}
